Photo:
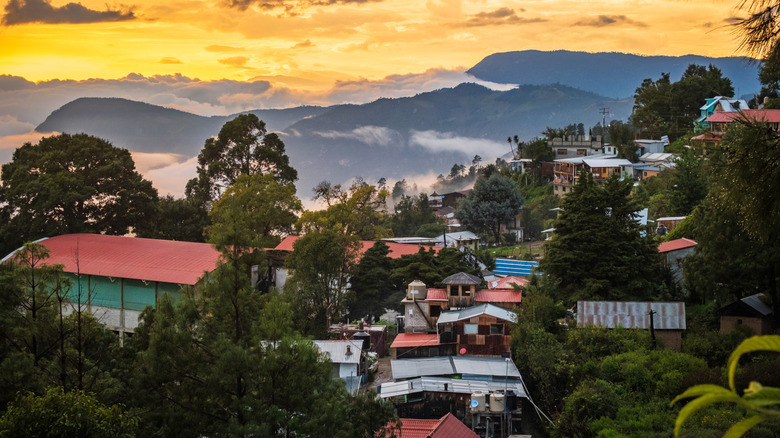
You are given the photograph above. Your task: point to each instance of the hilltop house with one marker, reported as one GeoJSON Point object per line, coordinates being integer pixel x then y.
{"type": "Point", "coordinates": [750, 312]}
{"type": "Point", "coordinates": [567, 170]}
{"type": "Point", "coordinates": [117, 277]}
{"type": "Point", "coordinates": [666, 321]}
{"type": "Point", "coordinates": [717, 104]}
{"type": "Point", "coordinates": [579, 146]}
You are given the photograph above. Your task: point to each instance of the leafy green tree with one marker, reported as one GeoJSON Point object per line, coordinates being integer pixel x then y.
{"type": "Point", "coordinates": [321, 263]}
{"type": "Point", "coordinates": [180, 219]}
{"type": "Point", "coordinates": [430, 266]}
{"type": "Point", "coordinates": [411, 213]}
{"type": "Point", "coordinates": [243, 147]}
{"type": "Point", "coordinates": [598, 250]}
{"type": "Point", "coordinates": [358, 211]}
{"type": "Point", "coordinates": [621, 135]}
{"type": "Point", "coordinates": [663, 107]}
{"type": "Point", "coordinates": [490, 204]}
{"type": "Point", "coordinates": [72, 184]}
{"type": "Point", "coordinates": [65, 414]}
{"type": "Point", "coordinates": [371, 284]}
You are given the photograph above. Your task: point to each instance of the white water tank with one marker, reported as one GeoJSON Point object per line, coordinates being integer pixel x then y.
{"type": "Point", "coordinates": [478, 402]}
{"type": "Point", "coordinates": [497, 402]}
{"type": "Point", "coordinates": [416, 290]}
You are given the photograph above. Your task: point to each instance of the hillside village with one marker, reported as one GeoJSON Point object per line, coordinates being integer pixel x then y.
{"type": "Point", "coordinates": [574, 289]}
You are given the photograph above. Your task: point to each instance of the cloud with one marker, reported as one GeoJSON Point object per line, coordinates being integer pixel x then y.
{"type": "Point", "coordinates": [609, 20]}
{"type": "Point", "coordinates": [370, 135]}
{"type": "Point", "coordinates": [10, 125]}
{"type": "Point", "coordinates": [172, 178]}
{"type": "Point", "coordinates": [41, 11]}
{"type": "Point", "coordinates": [291, 7]}
{"type": "Point", "coordinates": [235, 61]}
{"type": "Point", "coordinates": [498, 17]}
{"type": "Point", "coordinates": [303, 44]}
{"type": "Point", "coordinates": [438, 142]}
{"type": "Point", "coordinates": [169, 60]}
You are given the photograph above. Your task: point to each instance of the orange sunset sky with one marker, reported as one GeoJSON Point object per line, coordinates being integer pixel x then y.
{"type": "Point", "coordinates": [312, 43]}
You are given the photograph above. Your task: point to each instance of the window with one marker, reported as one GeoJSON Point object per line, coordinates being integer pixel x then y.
{"type": "Point", "coordinates": [435, 311]}
{"type": "Point", "coordinates": [563, 152]}
{"type": "Point", "coordinates": [496, 329]}
{"type": "Point", "coordinates": [470, 329]}
{"type": "Point", "coordinates": [581, 152]}
{"type": "Point", "coordinates": [563, 188]}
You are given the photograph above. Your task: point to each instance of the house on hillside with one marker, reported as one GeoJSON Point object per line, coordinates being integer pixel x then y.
{"type": "Point", "coordinates": [447, 426]}
{"type": "Point", "coordinates": [717, 104]}
{"type": "Point", "coordinates": [750, 312]}
{"type": "Point", "coordinates": [567, 171]}
{"type": "Point", "coordinates": [674, 251]}
{"type": "Point", "coordinates": [648, 146]}
{"type": "Point", "coordinates": [579, 146]}
{"type": "Point", "coordinates": [720, 121]}
{"type": "Point", "coordinates": [347, 361]}
{"type": "Point", "coordinates": [483, 330]}
{"type": "Point", "coordinates": [666, 321]}
{"type": "Point", "coordinates": [477, 390]}
{"type": "Point", "coordinates": [117, 277]}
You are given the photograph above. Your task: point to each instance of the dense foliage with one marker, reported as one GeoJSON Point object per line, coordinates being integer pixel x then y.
{"type": "Point", "coordinates": [72, 184]}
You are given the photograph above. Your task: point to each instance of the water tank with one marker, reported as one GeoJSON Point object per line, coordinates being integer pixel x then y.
{"type": "Point", "coordinates": [497, 402]}
{"type": "Point", "coordinates": [416, 290]}
{"type": "Point", "coordinates": [478, 402]}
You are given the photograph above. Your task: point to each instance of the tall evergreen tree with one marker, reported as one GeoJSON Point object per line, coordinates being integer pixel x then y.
{"type": "Point", "coordinates": [598, 249]}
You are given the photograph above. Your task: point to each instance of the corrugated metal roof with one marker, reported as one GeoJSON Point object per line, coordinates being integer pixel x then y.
{"type": "Point", "coordinates": [756, 115]}
{"type": "Point", "coordinates": [516, 267]}
{"type": "Point", "coordinates": [462, 278]}
{"type": "Point", "coordinates": [135, 258]}
{"type": "Point", "coordinates": [437, 294]}
{"type": "Point", "coordinates": [755, 302]}
{"type": "Point", "coordinates": [631, 314]}
{"type": "Point", "coordinates": [606, 162]}
{"type": "Point", "coordinates": [452, 365]}
{"type": "Point", "coordinates": [337, 350]}
{"type": "Point", "coordinates": [405, 340]}
{"type": "Point", "coordinates": [482, 309]}
{"type": "Point", "coordinates": [676, 244]}
{"type": "Point", "coordinates": [455, 386]}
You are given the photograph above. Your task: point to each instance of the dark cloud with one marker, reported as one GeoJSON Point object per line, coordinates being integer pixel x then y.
{"type": "Point", "coordinates": [41, 11]}
{"type": "Point", "coordinates": [218, 49]}
{"type": "Point", "coordinates": [169, 60]}
{"type": "Point", "coordinates": [291, 6]}
{"type": "Point", "coordinates": [608, 20]}
{"type": "Point", "coordinates": [235, 61]}
{"type": "Point", "coordinates": [498, 17]}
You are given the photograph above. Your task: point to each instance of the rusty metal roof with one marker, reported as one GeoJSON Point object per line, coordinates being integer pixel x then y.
{"type": "Point", "coordinates": [165, 261]}
{"type": "Point", "coordinates": [631, 314]}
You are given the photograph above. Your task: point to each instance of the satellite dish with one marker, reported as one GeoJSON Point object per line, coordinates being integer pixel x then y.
{"type": "Point", "coordinates": [474, 403]}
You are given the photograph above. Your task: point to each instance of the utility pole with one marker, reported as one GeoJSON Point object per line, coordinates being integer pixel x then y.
{"type": "Point", "coordinates": [604, 111]}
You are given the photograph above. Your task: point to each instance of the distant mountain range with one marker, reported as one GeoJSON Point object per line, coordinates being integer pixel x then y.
{"type": "Point", "coordinates": [615, 75]}
{"type": "Point", "coordinates": [391, 138]}
{"type": "Point", "coordinates": [405, 137]}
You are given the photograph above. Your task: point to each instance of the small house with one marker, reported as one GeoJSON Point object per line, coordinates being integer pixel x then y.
{"type": "Point", "coordinates": [666, 321]}
{"type": "Point", "coordinates": [347, 360]}
{"type": "Point", "coordinates": [750, 312]}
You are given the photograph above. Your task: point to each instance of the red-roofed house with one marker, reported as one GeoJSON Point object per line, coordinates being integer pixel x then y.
{"type": "Point", "coordinates": [508, 282]}
{"type": "Point", "coordinates": [720, 120]}
{"type": "Point", "coordinates": [674, 251]}
{"type": "Point", "coordinates": [446, 427]}
{"type": "Point", "coordinates": [120, 276]}
{"type": "Point", "coordinates": [408, 345]}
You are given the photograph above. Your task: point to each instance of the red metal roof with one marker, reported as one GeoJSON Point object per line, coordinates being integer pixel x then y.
{"type": "Point", "coordinates": [764, 115]}
{"type": "Point", "coordinates": [404, 340]}
{"type": "Point", "coordinates": [498, 296]}
{"type": "Point", "coordinates": [506, 282]}
{"type": "Point", "coordinates": [396, 249]}
{"type": "Point", "coordinates": [676, 244]}
{"type": "Point", "coordinates": [437, 294]}
{"type": "Point", "coordinates": [446, 427]}
{"type": "Point", "coordinates": [166, 261]}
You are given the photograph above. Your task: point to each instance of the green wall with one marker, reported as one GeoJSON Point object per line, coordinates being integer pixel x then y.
{"type": "Point", "coordinates": [119, 293]}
